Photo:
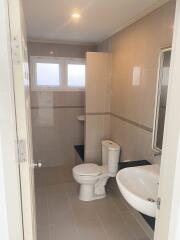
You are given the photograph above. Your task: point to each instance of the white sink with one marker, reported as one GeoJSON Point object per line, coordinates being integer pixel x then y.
{"type": "Point", "coordinates": [139, 186]}
{"type": "Point", "coordinates": [81, 118]}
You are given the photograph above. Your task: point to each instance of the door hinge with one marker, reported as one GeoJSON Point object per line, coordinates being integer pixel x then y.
{"type": "Point", "coordinates": [21, 151]}
{"type": "Point", "coordinates": [15, 44]}
{"type": "Point", "coordinates": [158, 203]}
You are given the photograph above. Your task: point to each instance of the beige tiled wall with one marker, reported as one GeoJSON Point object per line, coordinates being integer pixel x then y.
{"type": "Point", "coordinates": [98, 77]}
{"type": "Point", "coordinates": [132, 104]}
{"type": "Point", "coordinates": [98, 80]}
{"type": "Point", "coordinates": [135, 142]}
{"type": "Point", "coordinates": [97, 129]}
{"type": "Point", "coordinates": [55, 126]}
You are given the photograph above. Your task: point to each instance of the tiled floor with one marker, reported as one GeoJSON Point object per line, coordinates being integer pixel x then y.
{"type": "Point", "coordinates": [62, 216]}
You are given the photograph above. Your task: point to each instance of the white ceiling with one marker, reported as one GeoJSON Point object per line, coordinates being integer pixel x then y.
{"type": "Point", "coordinates": [50, 20]}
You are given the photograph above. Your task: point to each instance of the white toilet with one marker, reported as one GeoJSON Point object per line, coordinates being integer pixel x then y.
{"type": "Point", "coordinates": [92, 177]}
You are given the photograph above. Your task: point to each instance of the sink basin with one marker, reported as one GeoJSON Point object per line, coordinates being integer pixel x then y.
{"type": "Point", "coordinates": [139, 186]}
{"type": "Point", "coordinates": [81, 118]}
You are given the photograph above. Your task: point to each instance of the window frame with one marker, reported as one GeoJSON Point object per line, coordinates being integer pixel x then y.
{"type": "Point", "coordinates": [63, 62]}
{"type": "Point", "coordinates": [75, 61]}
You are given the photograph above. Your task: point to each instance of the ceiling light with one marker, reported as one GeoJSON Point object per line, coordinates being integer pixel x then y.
{"type": "Point", "coordinates": [76, 15]}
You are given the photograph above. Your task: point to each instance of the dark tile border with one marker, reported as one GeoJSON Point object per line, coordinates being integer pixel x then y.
{"type": "Point", "coordinates": [97, 113]}
{"type": "Point", "coordinates": [148, 129]}
{"type": "Point", "coordinates": [54, 107]}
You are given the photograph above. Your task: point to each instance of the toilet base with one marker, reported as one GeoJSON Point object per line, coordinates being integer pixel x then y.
{"type": "Point", "coordinates": [87, 193]}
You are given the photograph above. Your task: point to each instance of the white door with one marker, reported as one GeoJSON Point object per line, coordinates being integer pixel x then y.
{"type": "Point", "coordinates": [23, 118]}
{"type": "Point", "coordinates": [168, 217]}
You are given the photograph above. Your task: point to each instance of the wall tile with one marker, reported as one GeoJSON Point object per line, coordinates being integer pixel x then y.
{"type": "Point", "coordinates": [135, 142]}
{"type": "Point", "coordinates": [98, 77]}
{"type": "Point", "coordinates": [53, 143]}
{"type": "Point", "coordinates": [137, 46]}
{"type": "Point", "coordinates": [97, 129]}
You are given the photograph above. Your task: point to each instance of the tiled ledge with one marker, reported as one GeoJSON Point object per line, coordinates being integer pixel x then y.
{"type": "Point", "coordinates": [133, 164]}
{"type": "Point", "coordinates": [80, 151]}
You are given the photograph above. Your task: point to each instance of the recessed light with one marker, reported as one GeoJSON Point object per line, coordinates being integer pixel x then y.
{"type": "Point", "coordinates": [76, 15]}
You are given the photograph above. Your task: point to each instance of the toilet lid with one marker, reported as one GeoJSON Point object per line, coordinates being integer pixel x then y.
{"type": "Point", "coordinates": [87, 169]}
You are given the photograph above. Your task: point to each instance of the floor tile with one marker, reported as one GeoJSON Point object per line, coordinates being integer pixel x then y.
{"type": "Point", "coordinates": [91, 229]}
{"type": "Point", "coordinates": [43, 233]}
{"type": "Point", "coordinates": [116, 230]}
{"type": "Point", "coordinates": [62, 216]}
{"type": "Point", "coordinates": [64, 230]}
{"type": "Point", "coordinates": [42, 218]}
{"type": "Point", "coordinates": [83, 210]}
{"type": "Point", "coordinates": [106, 209]}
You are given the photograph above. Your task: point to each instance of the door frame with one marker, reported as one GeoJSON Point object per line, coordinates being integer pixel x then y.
{"type": "Point", "coordinates": [23, 115]}
{"type": "Point", "coordinates": [168, 217]}
{"type": "Point", "coordinates": [11, 220]}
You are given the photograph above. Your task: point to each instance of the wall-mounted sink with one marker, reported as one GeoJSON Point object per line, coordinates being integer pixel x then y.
{"type": "Point", "coordinates": [81, 118]}
{"type": "Point", "coordinates": [139, 186]}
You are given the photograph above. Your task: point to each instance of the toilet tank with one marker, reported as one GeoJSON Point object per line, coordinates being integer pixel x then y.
{"type": "Point", "coordinates": [110, 156]}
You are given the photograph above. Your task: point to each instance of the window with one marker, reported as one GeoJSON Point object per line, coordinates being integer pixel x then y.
{"type": "Point", "coordinates": [75, 74]}
{"type": "Point", "coordinates": [47, 74]}
{"type": "Point", "coordinates": [57, 73]}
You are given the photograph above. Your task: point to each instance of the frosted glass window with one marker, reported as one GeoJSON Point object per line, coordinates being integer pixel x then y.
{"type": "Point", "coordinates": [47, 74]}
{"type": "Point", "coordinates": [76, 75]}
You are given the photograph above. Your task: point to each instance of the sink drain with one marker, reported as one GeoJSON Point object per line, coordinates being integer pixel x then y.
{"type": "Point", "coordinates": [151, 200]}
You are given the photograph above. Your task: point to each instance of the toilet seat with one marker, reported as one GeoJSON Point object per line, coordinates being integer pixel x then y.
{"type": "Point", "coordinates": [87, 169]}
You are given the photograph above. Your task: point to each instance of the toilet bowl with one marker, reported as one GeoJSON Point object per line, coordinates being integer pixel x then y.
{"type": "Point", "coordinates": [92, 177]}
